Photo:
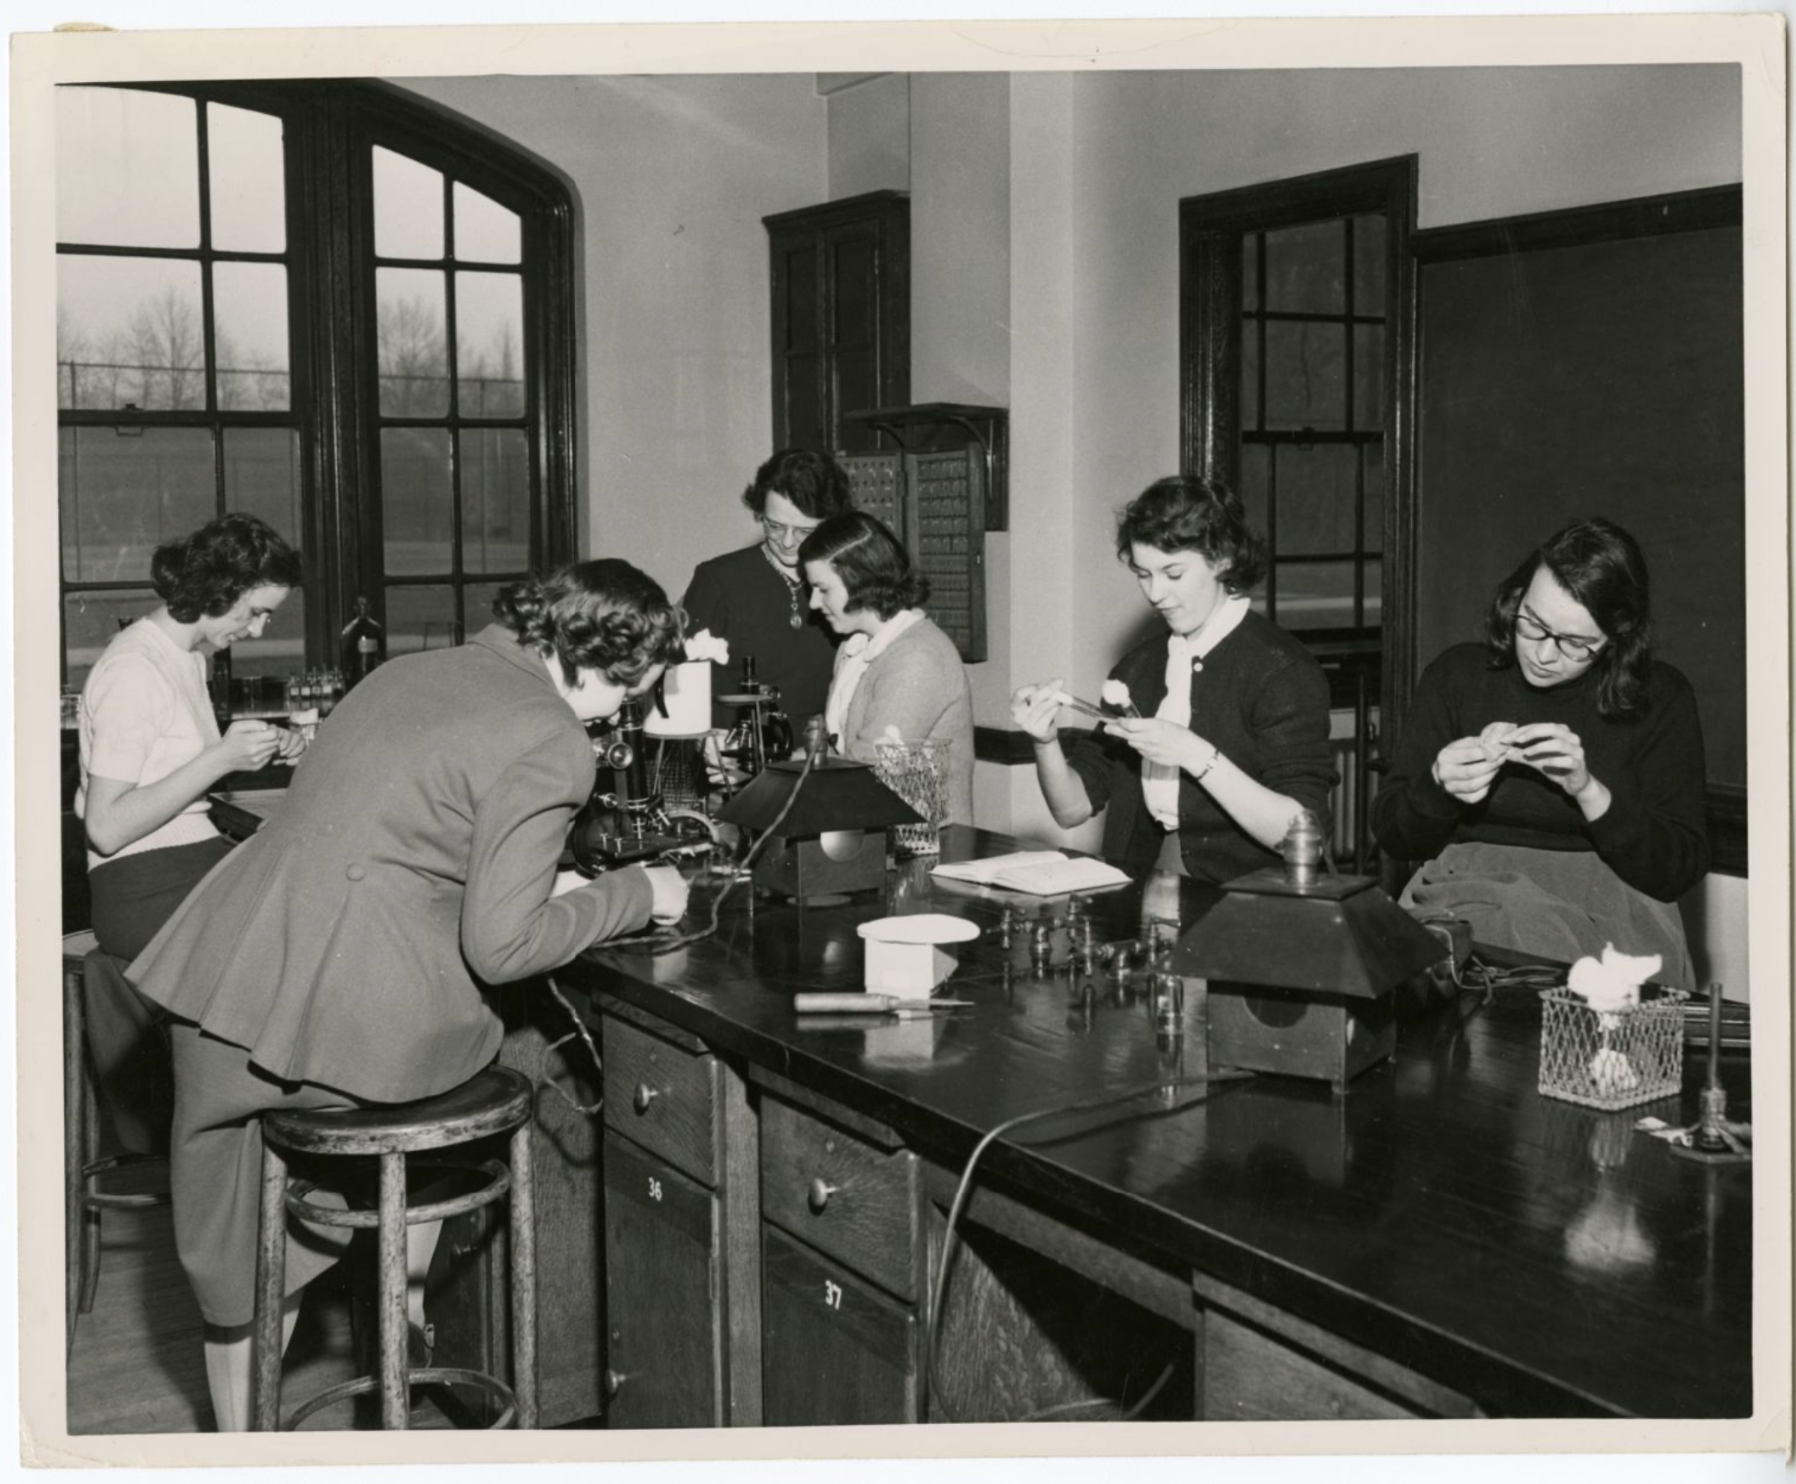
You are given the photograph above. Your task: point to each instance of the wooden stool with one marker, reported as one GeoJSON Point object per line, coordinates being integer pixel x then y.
{"type": "Point", "coordinates": [494, 1101]}
{"type": "Point", "coordinates": [82, 1166]}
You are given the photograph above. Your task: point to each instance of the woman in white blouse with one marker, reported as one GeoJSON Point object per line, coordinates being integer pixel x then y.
{"type": "Point", "coordinates": [150, 750]}
{"type": "Point", "coordinates": [897, 676]}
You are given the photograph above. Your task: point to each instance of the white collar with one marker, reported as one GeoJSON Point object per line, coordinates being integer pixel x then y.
{"type": "Point", "coordinates": [1224, 619]}
{"type": "Point", "coordinates": [870, 646]}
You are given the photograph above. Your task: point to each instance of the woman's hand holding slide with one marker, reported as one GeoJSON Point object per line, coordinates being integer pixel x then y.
{"type": "Point", "coordinates": [1467, 768]}
{"type": "Point", "coordinates": [1164, 742]}
{"type": "Point", "coordinates": [1036, 709]}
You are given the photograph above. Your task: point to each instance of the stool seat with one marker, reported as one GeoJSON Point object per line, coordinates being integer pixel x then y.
{"type": "Point", "coordinates": [489, 1102]}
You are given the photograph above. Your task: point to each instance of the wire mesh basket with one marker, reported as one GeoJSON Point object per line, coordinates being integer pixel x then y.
{"type": "Point", "coordinates": [1611, 1058]}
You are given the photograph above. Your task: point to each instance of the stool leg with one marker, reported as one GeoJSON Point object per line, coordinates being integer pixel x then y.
{"type": "Point", "coordinates": [523, 1277]}
{"type": "Point", "coordinates": [271, 1282]}
{"type": "Point", "coordinates": [73, 1149]}
{"type": "Point", "coordinates": [90, 1215]}
{"type": "Point", "coordinates": [395, 1387]}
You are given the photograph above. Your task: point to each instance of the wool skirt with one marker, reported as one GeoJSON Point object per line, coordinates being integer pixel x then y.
{"type": "Point", "coordinates": [1559, 904]}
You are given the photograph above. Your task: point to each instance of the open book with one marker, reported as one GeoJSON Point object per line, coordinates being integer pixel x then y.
{"type": "Point", "coordinates": [1042, 873]}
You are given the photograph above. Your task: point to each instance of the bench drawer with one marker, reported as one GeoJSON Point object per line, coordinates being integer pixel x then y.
{"type": "Point", "coordinates": [664, 1097]}
{"type": "Point", "coordinates": [845, 1196]}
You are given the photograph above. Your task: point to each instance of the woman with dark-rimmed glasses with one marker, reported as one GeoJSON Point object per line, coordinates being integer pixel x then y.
{"type": "Point", "coordinates": [1552, 777]}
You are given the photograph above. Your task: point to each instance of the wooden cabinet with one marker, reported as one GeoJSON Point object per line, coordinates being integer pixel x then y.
{"type": "Point", "coordinates": [681, 1230]}
{"type": "Point", "coordinates": [840, 280]}
{"type": "Point", "coordinates": [837, 1350]}
{"type": "Point", "coordinates": [843, 1268]}
{"type": "Point", "coordinates": [664, 1354]}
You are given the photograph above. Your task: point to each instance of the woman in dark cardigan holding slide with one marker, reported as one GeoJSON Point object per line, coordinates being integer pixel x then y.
{"type": "Point", "coordinates": [1229, 739]}
{"type": "Point", "coordinates": [1551, 778]}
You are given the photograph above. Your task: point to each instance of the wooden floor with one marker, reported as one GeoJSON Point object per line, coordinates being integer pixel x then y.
{"type": "Point", "coordinates": [137, 1365]}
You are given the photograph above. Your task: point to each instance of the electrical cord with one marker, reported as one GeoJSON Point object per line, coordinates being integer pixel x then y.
{"type": "Point", "coordinates": [667, 945]}
{"type": "Point", "coordinates": [1128, 1415]}
{"type": "Point", "coordinates": [945, 1261]}
{"type": "Point", "coordinates": [579, 1032]}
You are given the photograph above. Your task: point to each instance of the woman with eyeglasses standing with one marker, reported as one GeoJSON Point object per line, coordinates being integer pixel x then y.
{"type": "Point", "coordinates": [1552, 777]}
{"type": "Point", "coordinates": [756, 599]}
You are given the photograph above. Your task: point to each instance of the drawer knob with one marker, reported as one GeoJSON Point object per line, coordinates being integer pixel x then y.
{"type": "Point", "coordinates": [644, 1096]}
{"type": "Point", "coordinates": [614, 1381]}
{"type": "Point", "coordinates": [821, 1191]}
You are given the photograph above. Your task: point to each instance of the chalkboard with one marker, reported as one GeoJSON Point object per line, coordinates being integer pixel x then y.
{"type": "Point", "coordinates": [1591, 377]}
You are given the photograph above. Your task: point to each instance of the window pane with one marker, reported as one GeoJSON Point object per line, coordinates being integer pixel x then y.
{"type": "Point", "coordinates": [801, 300]}
{"type": "Point", "coordinates": [1374, 591]}
{"type": "Point", "coordinates": [127, 168]}
{"type": "Point", "coordinates": [485, 232]}
{"type": "Point", "coordinates": [1306, 367]}
{"type": "Point", "coordinates": [477, 605]}
{"type": "Point", "coordinates": [414, 362]}
{"type": "Point", "coordinates": [249, 302]}
{"type": "Point", "coordinates": [1315, 595]}
{"type": "Point", "coordinates": [495, 500]}
{"type": "Point", "coordinates": [420, 618]}
{"type": "Point", "coordinates": [1315, 499]}
{"type": "Point", "coordinates": [122, 497]}
{"type": "Point", "coordinates": [1368, 265]}
{"type": "Point", "coordinates": [1250, 374]}
{"type": "Point", "coordinates": [1374, 526]}
{"type": "Point", "coordinates": [408, 208]}
{"type": "Point", "coordinates": [249, 187]}
{"type": "Point", "coordinates": [416, 501]}
{"type": "Point", "coordinates": [1368, 376]}
{"type": "Point", "coordinates": [489, 344]}
{"type": "Point", "coordinates": [1306, 268]}
{"type": "Point", "coordinates": [128, 332]}
{"type": "Point", "coordinates": [1255, 461]}
{"type": "Point", "coordinates": [282, 648]}
{"type": "Point", "coordinates": [91, 619]}
{"type": "Point", "coordinates": [1250, 270]}
{"type": "Point", "coordinates": [261, 477]}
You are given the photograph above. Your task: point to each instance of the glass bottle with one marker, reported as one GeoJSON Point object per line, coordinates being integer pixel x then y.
{"type": "Point", "coordinates": [364, 645]}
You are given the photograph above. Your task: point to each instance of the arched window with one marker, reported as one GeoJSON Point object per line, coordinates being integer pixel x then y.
{"type": "Point", "coordinates": [328, 304]}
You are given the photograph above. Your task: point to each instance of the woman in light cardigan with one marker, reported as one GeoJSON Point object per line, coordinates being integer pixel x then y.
{"type": "Point", "coordinates": [897, 675]}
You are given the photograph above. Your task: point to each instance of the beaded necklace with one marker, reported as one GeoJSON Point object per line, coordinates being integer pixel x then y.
{"type": "Point", "coordinates": [793, 584]}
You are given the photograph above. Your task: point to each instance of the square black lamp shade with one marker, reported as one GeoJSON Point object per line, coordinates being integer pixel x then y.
{"type": "Point", "coordinates": [833, 840]}
{"type": "Point", "coordinates": [1301, 977]}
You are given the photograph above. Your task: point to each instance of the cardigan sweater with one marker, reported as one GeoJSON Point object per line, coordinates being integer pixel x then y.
{"type": "Point", "coordinates": [1653, 834]}
{"type": "Point", "coordinates": [1261, 699]}
{"type": "Point", "coordinates": [739, 597]}
{"type": "Point", "coordinates": [918, 686]}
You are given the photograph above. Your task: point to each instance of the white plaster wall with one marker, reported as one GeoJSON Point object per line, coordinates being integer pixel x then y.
{"type": "Point", "coordinates": [673, 175]}
{"type": "Point", "coordinates": [869, 136]}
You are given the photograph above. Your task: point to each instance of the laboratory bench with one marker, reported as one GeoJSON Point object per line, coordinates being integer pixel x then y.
{"type": "Point", "coordinates": [751, 1229]}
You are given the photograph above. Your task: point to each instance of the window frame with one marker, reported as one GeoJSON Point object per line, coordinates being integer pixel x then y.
{"type": "Point", "coordinates": [330, 129]}
{"type": "Point", "coordinates": [1211, 229]}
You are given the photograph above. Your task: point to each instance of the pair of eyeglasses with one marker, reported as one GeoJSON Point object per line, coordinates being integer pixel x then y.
{"type": "Point", "coordinates": [785, 535]}
{"type": "Point", "coordinates": [1574, 649]}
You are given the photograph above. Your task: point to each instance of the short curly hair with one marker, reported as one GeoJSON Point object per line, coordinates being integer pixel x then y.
{"type": "Point", "coordinates": [874, 567]}
{"type": "Point", "coordinates": [1185, 512]}
{"type": "Point", "coordinates": [204, 574]}
{"type": "Point", "coordinates": [811, 480]}
{"type": "Point", "coordinates": [602, 615]}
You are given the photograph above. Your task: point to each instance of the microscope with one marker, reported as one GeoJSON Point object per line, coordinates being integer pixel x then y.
{"type": "Point", "coordinates": [625, 822]}
{"type": "Point", "coordinates": [762, 734]}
